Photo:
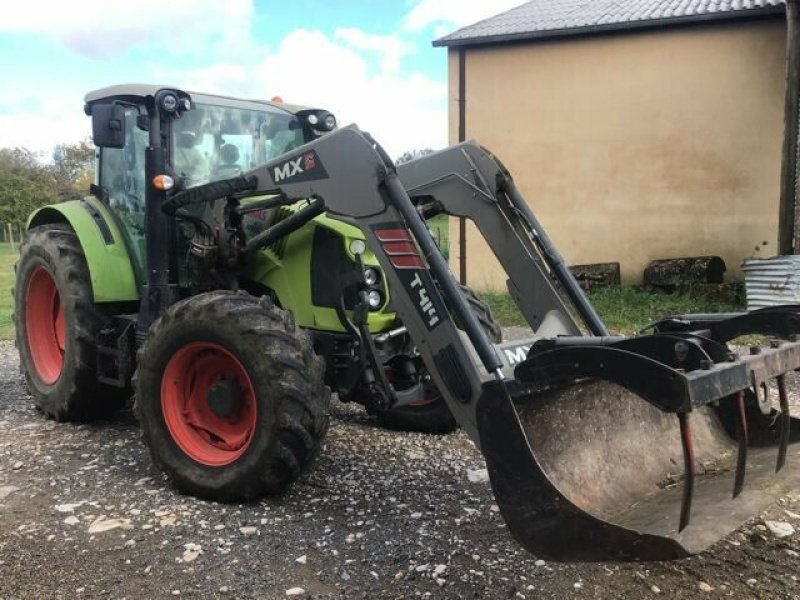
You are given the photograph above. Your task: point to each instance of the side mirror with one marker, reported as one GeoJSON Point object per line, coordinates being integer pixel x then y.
{"type": "Point", "coordinates": [108, 125]}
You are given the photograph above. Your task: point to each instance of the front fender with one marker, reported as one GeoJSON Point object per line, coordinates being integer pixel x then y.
{"type": "Point", "coordinates": [110, 267]}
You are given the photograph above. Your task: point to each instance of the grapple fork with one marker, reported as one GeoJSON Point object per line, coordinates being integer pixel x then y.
{"type": "Point", "coordinates": [644, 494]}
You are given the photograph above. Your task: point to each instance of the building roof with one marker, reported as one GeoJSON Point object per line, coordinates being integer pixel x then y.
{"type": "Point", "coordinates": [545, 19]}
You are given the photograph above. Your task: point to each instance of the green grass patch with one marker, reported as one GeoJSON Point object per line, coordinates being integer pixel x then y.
{"type": "Point", "coordinates": [624, 309]}
{"type": "Point", "coordinates": [440, 228]}
{"type": "Point", "coordinates": [504, 309]}
{"type": "Point", "coordinates": [627, 309]}
{"type": "Point", "coordinates": [7, 260]}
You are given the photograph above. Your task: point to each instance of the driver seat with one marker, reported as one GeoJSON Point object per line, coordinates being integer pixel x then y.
{"type": "Point", "coordinates": [229, 157]}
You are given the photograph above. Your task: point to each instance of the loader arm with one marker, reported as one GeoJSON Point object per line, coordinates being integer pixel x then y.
{"type": "Point", "coordinates": [580, 437]}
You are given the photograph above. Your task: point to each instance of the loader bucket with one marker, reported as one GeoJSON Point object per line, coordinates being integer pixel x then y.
{"type": "Point", "coordinates": [590, 470]}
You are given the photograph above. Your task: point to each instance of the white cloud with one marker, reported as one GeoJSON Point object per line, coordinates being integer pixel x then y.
{"type": "Point", "coordinates": [38, 116]}
{"type": "Point", "coordinates": [103, 29]}
{"type": "Point", "coordinates": [454, 13]}
{"type": "Point", "coordinates": [390, 48]}
{"type": "Point", "coordinates": [354, 73]}
{"type": "Point", "coordinates": [40, 132]}
{"type": "Point", "coordinates": [401, 111]}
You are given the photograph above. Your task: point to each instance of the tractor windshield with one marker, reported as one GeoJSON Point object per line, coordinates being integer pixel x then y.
{"type": "Point", "coordinates": [213, 142]}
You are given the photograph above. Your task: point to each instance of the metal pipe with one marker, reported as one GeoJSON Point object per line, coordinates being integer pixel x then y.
{"type": "Point", "coordinates": [556, 262]}
{"type": "Point", "coordinates": [286, 226]}
{"type": "Point", "coordinates": [265, 204]}
{"type": "Point", "coordinates": [784, 422]}
{"type": "Point", "coordinates": [393, 333]}
{"type": "Point", "coordinates": [687, 441]}
{"type": "Point", "coordinates": [462, 136]}
{"type": "Point", "coordinates": [787, 215]}
{"type": "Point", "coordinates": [741, 434]}
{"type": "Point", "coordinates": [579, 340]}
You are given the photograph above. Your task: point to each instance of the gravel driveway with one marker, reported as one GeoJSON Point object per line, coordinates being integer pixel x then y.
{"type": "Point", "coordinates": [83, 514]}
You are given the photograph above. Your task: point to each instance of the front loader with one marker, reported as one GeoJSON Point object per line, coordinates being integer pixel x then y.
{"type": "Point", "coordinates": [598, 446]}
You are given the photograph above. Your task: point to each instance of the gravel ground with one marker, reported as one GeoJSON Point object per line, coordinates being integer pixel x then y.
{"type": "Point", "coordinates": [84, 514]}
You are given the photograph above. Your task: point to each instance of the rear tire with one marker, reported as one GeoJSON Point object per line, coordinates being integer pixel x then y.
{"type": "Point", "coordinates": [433, 415]}
{"type": "Point", "coordinates": [56, 326]}
{"type": "Point", "coordinates": [265, 432]}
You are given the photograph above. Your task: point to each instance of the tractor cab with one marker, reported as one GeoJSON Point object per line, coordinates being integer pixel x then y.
{"type": "Point", "coordinates": [192, 139]}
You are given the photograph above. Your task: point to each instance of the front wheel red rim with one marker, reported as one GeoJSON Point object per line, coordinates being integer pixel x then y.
{"type": "Point", "coordinates": [211, 432]}
{"type": "Point", "coordinates": [45, 326]}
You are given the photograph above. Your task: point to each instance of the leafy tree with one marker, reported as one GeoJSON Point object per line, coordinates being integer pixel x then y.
{"type": "Point", "coordinates": [410, 155]}
{"type": "Point", "coordinates": [25, 184]}
{"type": "Point", "coordinates": [73, 168]}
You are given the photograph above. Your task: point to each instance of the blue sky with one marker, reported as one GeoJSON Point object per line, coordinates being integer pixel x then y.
{"type": "Point", "coordinates": [370, 62]}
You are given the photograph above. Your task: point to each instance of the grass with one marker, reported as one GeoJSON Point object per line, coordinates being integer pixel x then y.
{"type": "Point", "coordinates": [624, 309]}
{"type": "Point", "coordinates": [7, 259]}
{"type": "Point", "coordinates": [504, 309]}
{"type": "Point", "coordinates": [628, 309]}
{"type": "Point", "coordinates": [440, 228]}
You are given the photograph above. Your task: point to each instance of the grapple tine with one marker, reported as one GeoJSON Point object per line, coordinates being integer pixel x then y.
{"type": "Point", "coordinates": [785, 423]}
{"type": "Point", "coordinates": [741, 433]}
{"type": "Point", "coordinates": [689, 469]}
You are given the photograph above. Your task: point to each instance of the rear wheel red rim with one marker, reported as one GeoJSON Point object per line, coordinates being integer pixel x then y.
{"type": "Point", "coordinates": [432, 394]}
{"type": "Point", "coordinates": [45, 326]}
{"type": "Point", "coordinates": [202, 432]}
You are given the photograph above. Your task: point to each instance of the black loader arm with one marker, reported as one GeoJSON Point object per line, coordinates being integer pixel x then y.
{"type": "Point", "coordinates": [466, 180]}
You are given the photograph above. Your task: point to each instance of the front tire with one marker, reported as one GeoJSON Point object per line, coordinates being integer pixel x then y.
{"type": "Point", "coordinates": [56, 327]}
{"type": "Point", "coordinates": [230, 396]}
{"type": "Point", "coordinates": [432, 415]}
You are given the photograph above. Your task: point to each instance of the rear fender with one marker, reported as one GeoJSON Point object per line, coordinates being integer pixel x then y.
{"type": "Point", "coordinates": [110, 268]}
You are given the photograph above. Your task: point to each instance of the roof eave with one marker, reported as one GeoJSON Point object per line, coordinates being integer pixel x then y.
{"type": "Point", "coordinates": [629, 26]}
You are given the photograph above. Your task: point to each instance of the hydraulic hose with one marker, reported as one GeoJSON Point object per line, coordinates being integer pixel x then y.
{"type": "Point", "coordinates": [208, 192]}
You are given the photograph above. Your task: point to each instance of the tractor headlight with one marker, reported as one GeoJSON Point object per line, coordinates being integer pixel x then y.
{"type": "Point", "coordinates": [358, 247]}
{"type": "Point", "coordinates": [169, 102]}
{"type": "Point", "coordinates": [371, 276]}
{"type": "Point", "coordinates": [319, 120]}
{"type": "Point", "coordinates": [374, 299]}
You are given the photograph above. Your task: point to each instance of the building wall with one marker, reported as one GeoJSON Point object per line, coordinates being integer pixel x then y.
{"type": "Point", "coordinates": [634, 147]}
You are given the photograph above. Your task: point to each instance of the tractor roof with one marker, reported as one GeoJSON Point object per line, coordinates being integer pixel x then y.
{"type": "Point", "coordinates": [137, 91]}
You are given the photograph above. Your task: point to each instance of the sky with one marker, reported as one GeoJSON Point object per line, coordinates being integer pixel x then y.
{"type": "Point", "coordinates": [370, 63]}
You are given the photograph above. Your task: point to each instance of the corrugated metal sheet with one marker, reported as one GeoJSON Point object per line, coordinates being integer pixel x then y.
{"type": "Point", "coordinates": [772, 281]}
{"type": "Point", "coordinates": [546, 18]}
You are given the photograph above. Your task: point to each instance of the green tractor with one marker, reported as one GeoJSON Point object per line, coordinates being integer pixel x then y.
{"type": "Point", "coordinates": [233, 336]}
{"type": "Point", "coordinates": [238, 260]}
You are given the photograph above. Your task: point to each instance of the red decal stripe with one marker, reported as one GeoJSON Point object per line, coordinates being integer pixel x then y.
{"type": "Point", "coordinates": [393, 235]}
{"type": "Point", "coordinates": [395, 248]}
{"type": "Point", "coordinates": [407, 262]}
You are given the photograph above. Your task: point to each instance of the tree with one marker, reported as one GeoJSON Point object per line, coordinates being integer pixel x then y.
{"type": "Point", "coordinates": [73, 168]}
{"type": "Point", "coordinates": [410, 155]}
{"type": "Point", "coordinates": [25, 185]}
